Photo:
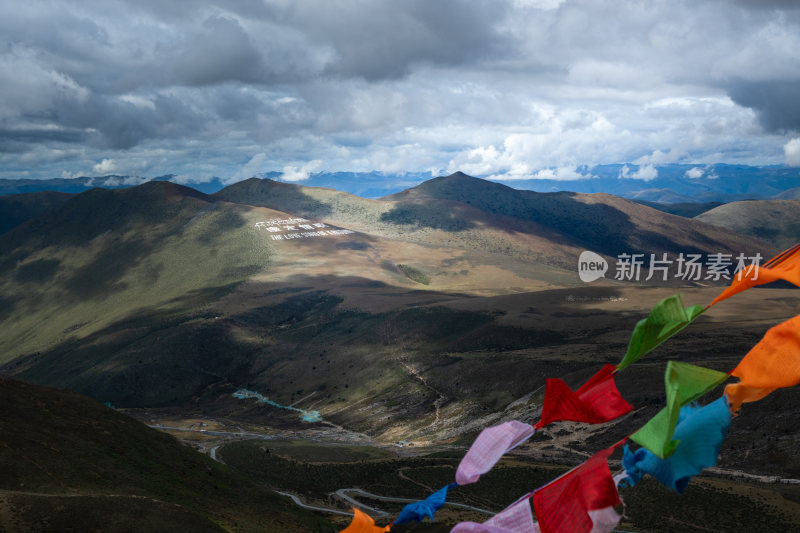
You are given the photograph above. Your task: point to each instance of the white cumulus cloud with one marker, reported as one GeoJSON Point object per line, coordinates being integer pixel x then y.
{"type": "Point", "coordinates": [255, 165]}
{"type": "Point", "coordinates": [300, 173]}
{"type": "Point", "coordinates": [559, 173]}
{"type": "Point", "coordinates": [695, 173]}
{"type": "Point", "coordinates": [791, 150]}
{"type": "Point", "coordinates": [645, 173]}
{"type": "Point", "coordinates": [106, 166]}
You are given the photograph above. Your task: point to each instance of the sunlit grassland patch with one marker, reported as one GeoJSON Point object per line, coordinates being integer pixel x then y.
{"type": "Point", "coordinates": [168, 265]}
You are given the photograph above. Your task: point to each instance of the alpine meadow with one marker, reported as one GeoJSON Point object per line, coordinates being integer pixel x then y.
{"type": "Point", "coordinates": [497, 266]}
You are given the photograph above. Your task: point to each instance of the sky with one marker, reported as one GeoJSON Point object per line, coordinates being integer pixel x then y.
{"type": "Point", "coordinates": [513, 88]}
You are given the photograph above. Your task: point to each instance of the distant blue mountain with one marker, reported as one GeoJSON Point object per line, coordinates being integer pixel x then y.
{"type": "Point", "coordinates": [718, 183]}
{"type": "Point", "coordinates": [84, 183]}
{"type": "Point", "coordinates": [673, 184]}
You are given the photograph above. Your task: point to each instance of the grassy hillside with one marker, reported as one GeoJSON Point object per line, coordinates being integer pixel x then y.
{"type": "Point", "coordinates": [107, 255]}
{"type": "Point", "coordinates": [441, 224]}
{"type": "Point", "coordinates": [19, 208]}
{"type": "Point", "coordinates": [687, 210]}
{"type": "Point", "coordinates": [790, 194]}
{"type": "Point", "coordinates": [599, 222]}
{"type": "Point", "coordinates": [70, 463]}
{"type": "Point", "coordinates": [774, 221]}
{"type": "Point", "coordinates": [159, 295]}
{"type": "Point", "coordinates": [482, 216]}
{"type": "Point", "coordinates": [436, 372]}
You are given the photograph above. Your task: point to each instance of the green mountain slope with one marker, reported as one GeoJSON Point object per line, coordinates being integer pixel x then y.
{"type": "Point", "coordinates": [482, 216]}
{"type": "Point", "coordinates": [70, 463]}
{"type": "Point", "coordinates": [106, 255]}
{"type": "Point", "coordinates": [442, 224]}
{"type": "Point", "coordinates": [599, 222]}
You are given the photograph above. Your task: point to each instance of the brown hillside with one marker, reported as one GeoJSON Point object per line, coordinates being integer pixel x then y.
{"type": "Point", "coordinates": [774, 221]}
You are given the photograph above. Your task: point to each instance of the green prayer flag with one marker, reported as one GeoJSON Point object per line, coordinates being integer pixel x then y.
{"type": "Point", "coordinates": [684, 383]}
{"type": "Point", "coordinates": [666, 319]}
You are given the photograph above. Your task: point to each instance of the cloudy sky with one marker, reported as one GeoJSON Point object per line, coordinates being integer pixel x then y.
{"type": "Point", "coordinates": [231, 88]}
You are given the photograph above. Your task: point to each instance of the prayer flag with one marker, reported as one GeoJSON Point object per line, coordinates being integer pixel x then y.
{"type": "Point", "coordinates": [474, 527]}
{"type": "Point", "coordinates": [785, 266]}
{"type": "Point", "coordinates": [489, 447]}
{"type": "Point", "coordinates": [516, 518]}
{"type": "Point", "coordinates": [684, 383]}
{"type": "Point", "coordinates": [564, 504]}
{"type": "Point", "coordinates": [773, 363]}
{"type": "Point", "coordinates": [417, 511]}
{"type": "Point", "coordinates": [604, 520]}
{"type": "Point", "coordinates": [666, 319]}
{"type": "Point", "coordinates": [597, 401]}
{"type": "Point", "coordinates": [700, 432]}
{"type": "Point", "coordinates": [363, 523]}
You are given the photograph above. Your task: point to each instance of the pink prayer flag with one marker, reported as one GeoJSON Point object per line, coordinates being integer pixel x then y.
{"type": "Point", "coordinates": [514, 519]}
{"type": "Point", "coordinates": [564, 504]}
{"type": "Point", "coordinates": [489, 447]}
{"type": "Point", "coordinates": [604, 520]}
{"type": "Point", "coordinates": [597, 401]}
{"type": "Point", "coordinates": [474, 527]}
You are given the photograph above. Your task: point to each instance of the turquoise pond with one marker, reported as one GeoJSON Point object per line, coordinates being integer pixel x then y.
{"type": "Point", "coordinates": [305, 416]}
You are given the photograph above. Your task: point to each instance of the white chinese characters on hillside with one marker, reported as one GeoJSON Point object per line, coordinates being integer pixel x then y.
{"type": "Point", "coordinates": [297, 228]}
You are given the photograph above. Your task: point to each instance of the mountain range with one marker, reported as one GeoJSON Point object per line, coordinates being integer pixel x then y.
{"type": "Point", "coordinates": [158, 294]}
{"type": "Point", "coordinates": [420, 316]}
{"type": "Point", "coordinates": [666, 184]}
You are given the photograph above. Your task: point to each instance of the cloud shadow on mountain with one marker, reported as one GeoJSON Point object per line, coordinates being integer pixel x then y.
{"type": "Point", "coordinates": [428, 215]}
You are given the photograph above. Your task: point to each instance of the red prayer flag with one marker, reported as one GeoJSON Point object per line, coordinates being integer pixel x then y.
{"type": "Point", "coordinates": [597, 401]}
{"type": "Point", "coordinates": [564, 504]}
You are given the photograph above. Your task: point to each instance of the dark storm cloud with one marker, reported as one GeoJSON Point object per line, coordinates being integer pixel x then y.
{"type": "Point", "coordinates": [238, 86]}
{"type": "Point", "coordinates": [220, 52]}
{"type": "Point", "coordinates": [378, 40]}
{"type": "Point", "coordinates": [15, 140]}
{"type": "Point", "coordinates": [280, 45]}
{"type": "Point", "coordinates": [777, 103]}
{"type": "Point", "coordinates": [119, 124]}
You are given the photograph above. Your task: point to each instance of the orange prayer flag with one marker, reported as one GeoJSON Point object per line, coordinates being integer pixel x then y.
{"type": "Point", "coordinates": [773, 363]}
{"type": "Point", "coordinates": [363, 523]}
{"type": "Point", "coordinates": [785, 266]}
